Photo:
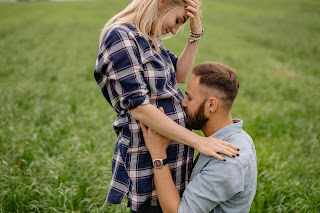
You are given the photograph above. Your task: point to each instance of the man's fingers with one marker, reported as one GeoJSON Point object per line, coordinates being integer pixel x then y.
{"type": "Point", "coordinates": [161, 109]}
{"type": "Point", "coordinates": [144, 128]}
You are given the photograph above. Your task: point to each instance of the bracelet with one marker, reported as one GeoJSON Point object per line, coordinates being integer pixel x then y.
{"type": "Point", "coordinates": [196, 33]}
{"type": "Point", "coordinates": [195, 37]}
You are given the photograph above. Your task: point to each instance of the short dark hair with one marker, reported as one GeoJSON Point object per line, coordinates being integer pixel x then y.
{"type": "Point", "coordinates": [218, 77]}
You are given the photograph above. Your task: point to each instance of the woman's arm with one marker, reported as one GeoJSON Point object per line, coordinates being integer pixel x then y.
{"type": "Point", "coordinates": [185, 61]}
{"type": "Point", "coordinates": [162, 124]}
{"type": "Point", "coordinates": [187, 57]}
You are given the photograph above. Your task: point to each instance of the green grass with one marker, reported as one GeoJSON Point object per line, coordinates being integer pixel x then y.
{"type": "Point", "coordinates": [56, 137]}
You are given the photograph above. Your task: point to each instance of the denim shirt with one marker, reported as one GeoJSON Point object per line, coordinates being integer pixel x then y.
{"type": "Point", "coordinates": [218, 186]}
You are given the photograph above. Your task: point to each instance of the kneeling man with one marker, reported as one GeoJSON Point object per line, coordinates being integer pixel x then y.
{"type": "Point", "coordinates": [225, 185]}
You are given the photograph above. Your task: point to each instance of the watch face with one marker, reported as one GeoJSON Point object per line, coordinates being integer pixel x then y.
{"type": "Point", "coordinates": [157, 163]}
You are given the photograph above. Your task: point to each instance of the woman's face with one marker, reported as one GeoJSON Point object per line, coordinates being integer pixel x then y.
{"type": "Point", "coordinates": [173, 20]}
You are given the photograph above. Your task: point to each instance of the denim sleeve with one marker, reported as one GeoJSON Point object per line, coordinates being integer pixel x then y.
{"type": "Point", "coordinates": [217, 182]}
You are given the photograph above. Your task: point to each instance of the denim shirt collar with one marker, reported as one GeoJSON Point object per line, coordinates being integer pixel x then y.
{"type": "Point", "coordinates": [221, 134]}
{"type": "Point", "coordinates": [229, 130]}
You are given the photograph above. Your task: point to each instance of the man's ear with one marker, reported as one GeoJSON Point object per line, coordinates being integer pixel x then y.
{"type": "Point", "coordinates": [212, 104]}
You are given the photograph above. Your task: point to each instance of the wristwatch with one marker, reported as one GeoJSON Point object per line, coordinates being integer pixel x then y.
{"type": "Point", "coordinates": [159, 163]}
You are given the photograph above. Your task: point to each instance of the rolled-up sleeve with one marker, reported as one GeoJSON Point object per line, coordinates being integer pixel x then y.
{"type": "Point", "coordinates": [120, 65]}
{"type": "Point", "coordinates": [217, 182]}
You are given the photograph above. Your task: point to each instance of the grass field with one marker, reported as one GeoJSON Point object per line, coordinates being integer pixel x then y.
{"type": "Point", "coordinates": [56, 138]}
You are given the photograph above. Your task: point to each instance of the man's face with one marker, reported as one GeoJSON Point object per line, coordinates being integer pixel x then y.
{"type": "Point", "coordinates": [194, 105]}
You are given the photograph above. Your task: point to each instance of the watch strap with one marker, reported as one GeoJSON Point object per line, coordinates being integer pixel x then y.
{"type": "Point", "coordinates": [164, 161]}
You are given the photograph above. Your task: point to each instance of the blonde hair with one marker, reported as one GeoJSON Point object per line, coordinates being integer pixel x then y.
{"type": "Point", "coordinates": [142, 14]}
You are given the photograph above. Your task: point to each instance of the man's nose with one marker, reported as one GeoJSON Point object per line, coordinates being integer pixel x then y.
{"type": "Point", "coordinates": [184, 102]}
{"type": "Point", "coordinates": [174, 31]}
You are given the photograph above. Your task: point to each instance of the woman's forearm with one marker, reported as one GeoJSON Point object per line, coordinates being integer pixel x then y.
{"type": "Point", "coordinates": [162, 124]}
{"type": "Point", "coordinates": [189, 53]}
{"type": "Point", "coordinates": [186, 61]}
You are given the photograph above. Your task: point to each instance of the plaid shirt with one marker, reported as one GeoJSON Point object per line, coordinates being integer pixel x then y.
{"type": "Point", "coordinates": [131, 73]}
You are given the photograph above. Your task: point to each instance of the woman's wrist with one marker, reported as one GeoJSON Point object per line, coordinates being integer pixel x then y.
{"type": "Point", "coordinates": [197, 32]}
{"type": "Point", "coordinates": [195, 36]}
{"type": "Point", "coordinates": [194, 140]}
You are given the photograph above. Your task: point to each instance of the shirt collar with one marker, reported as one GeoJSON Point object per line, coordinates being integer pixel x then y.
{"type": "Point", "coordinates": [229, 130]}
{"type": "Point", "coordinates": [135, 29]}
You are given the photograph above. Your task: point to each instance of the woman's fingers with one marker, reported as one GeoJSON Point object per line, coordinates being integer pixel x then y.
{"type": "Point", "coordinates": [190, 14]}
{"type": "Point", "coordinates": [193, 3]}
{"type": "Point", "coordinates": [232, 151]}
{"type": "Point", "coordinates": [191, 9]}
{"type": "Point", "coordinates": [227, 151]}
{"type": "Point", "coordinates": [219, 157]}
{"type": "Point", "coordinates": [231, 146]}
{"type": "Point", "coordinates": [214, 147]}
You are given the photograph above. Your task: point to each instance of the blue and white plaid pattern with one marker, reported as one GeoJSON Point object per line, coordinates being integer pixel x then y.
{"type": "Point", "coordinates": [131, 73]}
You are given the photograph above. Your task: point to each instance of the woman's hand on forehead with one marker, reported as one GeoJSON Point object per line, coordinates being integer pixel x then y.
{"type": "Point", "coordinates": [193, 3]}
{"type": "Point", "coordinates": [192, 10]}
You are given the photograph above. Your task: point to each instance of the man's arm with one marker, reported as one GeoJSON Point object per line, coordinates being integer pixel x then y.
{"type": "Point", "coordinates": [168, 195]}
{"type": "Point", "coordinates": [162, 124]}
{"type": "Point", "coordinates": [216, 183]}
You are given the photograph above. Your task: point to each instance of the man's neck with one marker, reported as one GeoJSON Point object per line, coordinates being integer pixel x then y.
{"type": "Point", "coordinates": [215, 123]}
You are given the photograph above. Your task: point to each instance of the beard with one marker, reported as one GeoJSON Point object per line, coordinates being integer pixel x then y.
{"type": "Point", "coordinates": [198, 119]}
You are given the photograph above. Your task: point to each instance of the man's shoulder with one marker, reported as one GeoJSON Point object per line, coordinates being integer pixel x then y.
{"type": "Point", "coordinates": [245, 143]}
{"type": "Point", "coordinates": [240, 138]}
{"type": "Point", "coordinates": [246, 154]}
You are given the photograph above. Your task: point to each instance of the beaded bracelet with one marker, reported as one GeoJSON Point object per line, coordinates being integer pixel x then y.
{"type": "Point", "coordinates": [195, 37]}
